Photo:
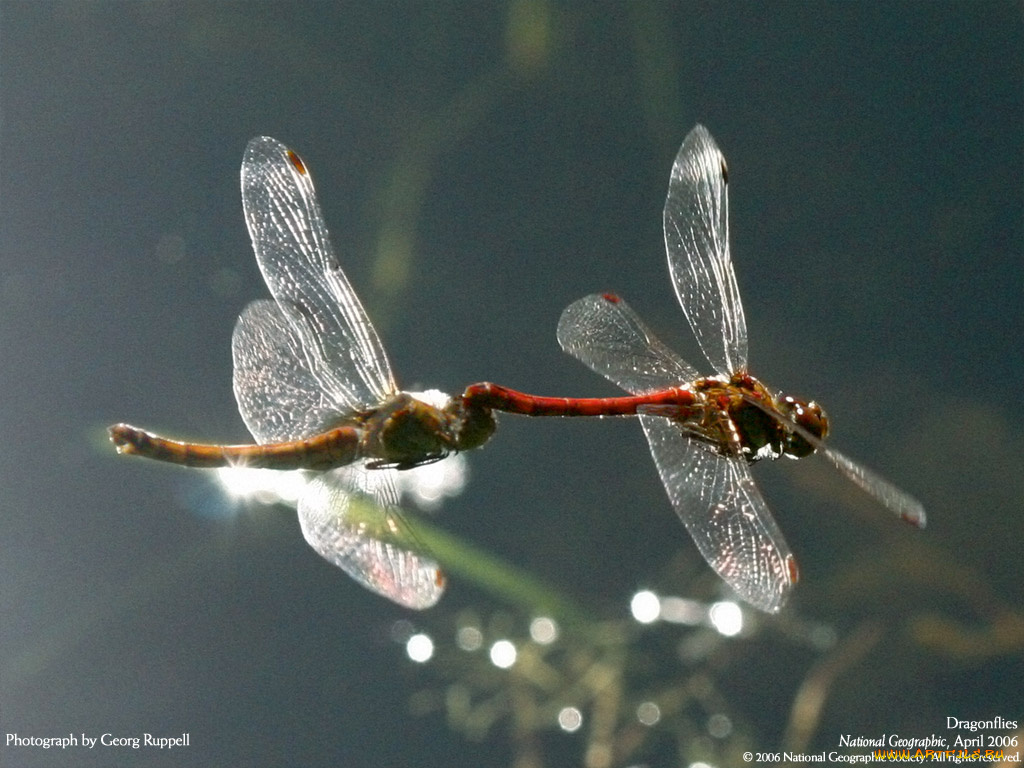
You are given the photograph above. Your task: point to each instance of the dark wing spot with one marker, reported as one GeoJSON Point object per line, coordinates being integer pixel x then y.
{"type": "Point", "coordinates": [297, 162]}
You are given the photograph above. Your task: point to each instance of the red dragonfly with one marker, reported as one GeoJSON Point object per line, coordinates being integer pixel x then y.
{"type": "Point", "coordinates": [315, 389]}
{"type": "Point", "coordinates": [704, 432]}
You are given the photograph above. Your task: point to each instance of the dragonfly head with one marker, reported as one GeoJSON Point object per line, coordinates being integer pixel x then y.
{"type": "Point", "coordinates": [810, 417]}
{"type": "Point", "coordinates": [472, 424]}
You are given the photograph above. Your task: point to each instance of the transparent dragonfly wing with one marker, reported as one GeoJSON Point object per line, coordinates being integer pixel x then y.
{"type": "Point", "coordinates": [605, 334]}
{"type": "Point", "coordinates": [725, 514]}
{"type": "Point", "coordinates": [278, 396]}
{"type": "Point", "coordinates": [696, 221]}
{"type": "Point", "coordinates": [342, 351]}
{"type": "Point", "coordinates": [349, 516]}
{"type": "Point", "coordinates": [905, 506]}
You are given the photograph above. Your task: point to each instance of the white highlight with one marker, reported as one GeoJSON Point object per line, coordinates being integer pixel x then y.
{"type": "Point", "coordinates": [469, 639]}
{"type": "Point", "coordinates": [267, 486]}
{"type": "Point", "coordinates": [570, 719]}
{"type": "Point", "coordinates": [648, 713]}
{"type": "Point", "coordinates": [543, 630]}
{"type": "Point", "coordinates": [432, 397]}
{"type": "Point", "coordinates": [727, 618]}
{"type": "Point", "coordinates": [719, 726]}
{"type": "Point", "coordinates": [428, 485]}
{"type": "Point", "coordinates": [645, 607]}
{"type": "Point", "coordinates": [420, 648]}
{"type": "Point", "coordinates": [503, 654]}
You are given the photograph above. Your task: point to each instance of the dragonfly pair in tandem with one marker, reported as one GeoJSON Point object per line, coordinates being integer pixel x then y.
{"type": "Point", "coordinates": [315, 389]}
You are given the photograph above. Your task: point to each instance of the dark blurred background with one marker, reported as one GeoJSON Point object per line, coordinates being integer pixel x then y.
{"type": "Point", "coordinates": [481, 165]}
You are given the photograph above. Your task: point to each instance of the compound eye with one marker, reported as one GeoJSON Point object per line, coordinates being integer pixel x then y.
{"type": "Point", "coordinates": [811, 417]}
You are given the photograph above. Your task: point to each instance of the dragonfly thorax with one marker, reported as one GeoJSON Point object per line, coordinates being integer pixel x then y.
{"type": "Point", "coordinates": [405, 432]}
{"type": "Point", "coordinates": [741, 415]}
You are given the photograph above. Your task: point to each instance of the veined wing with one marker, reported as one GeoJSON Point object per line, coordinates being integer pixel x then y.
{"type": "Point", "coordinates": [278, 396]}
{"type": "Point", "coordinates": [603, 333]}
{"type": "Point", "coordinates": [725, 514]}
{"type": "Point", "coordinates": [349, 516]}
{"type": "Point", "coordinates": [905, 506]}
{"type": "Point", "coordinates": [696, 220]}
{"type": "Point", "coordinates": [341, 348]}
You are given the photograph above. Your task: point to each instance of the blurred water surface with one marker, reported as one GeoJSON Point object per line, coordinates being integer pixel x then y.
{"type": "Point", "coordinates": [482, 165]}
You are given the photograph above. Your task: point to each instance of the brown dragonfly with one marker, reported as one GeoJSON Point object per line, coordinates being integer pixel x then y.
{"type": "Point", "coordinates": [315, 389]}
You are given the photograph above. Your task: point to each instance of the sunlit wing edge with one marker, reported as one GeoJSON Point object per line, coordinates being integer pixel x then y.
{"type": "Point", "coordinates": [298, 262]}
{"type": "Point", "coordinates": [696, 228]}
